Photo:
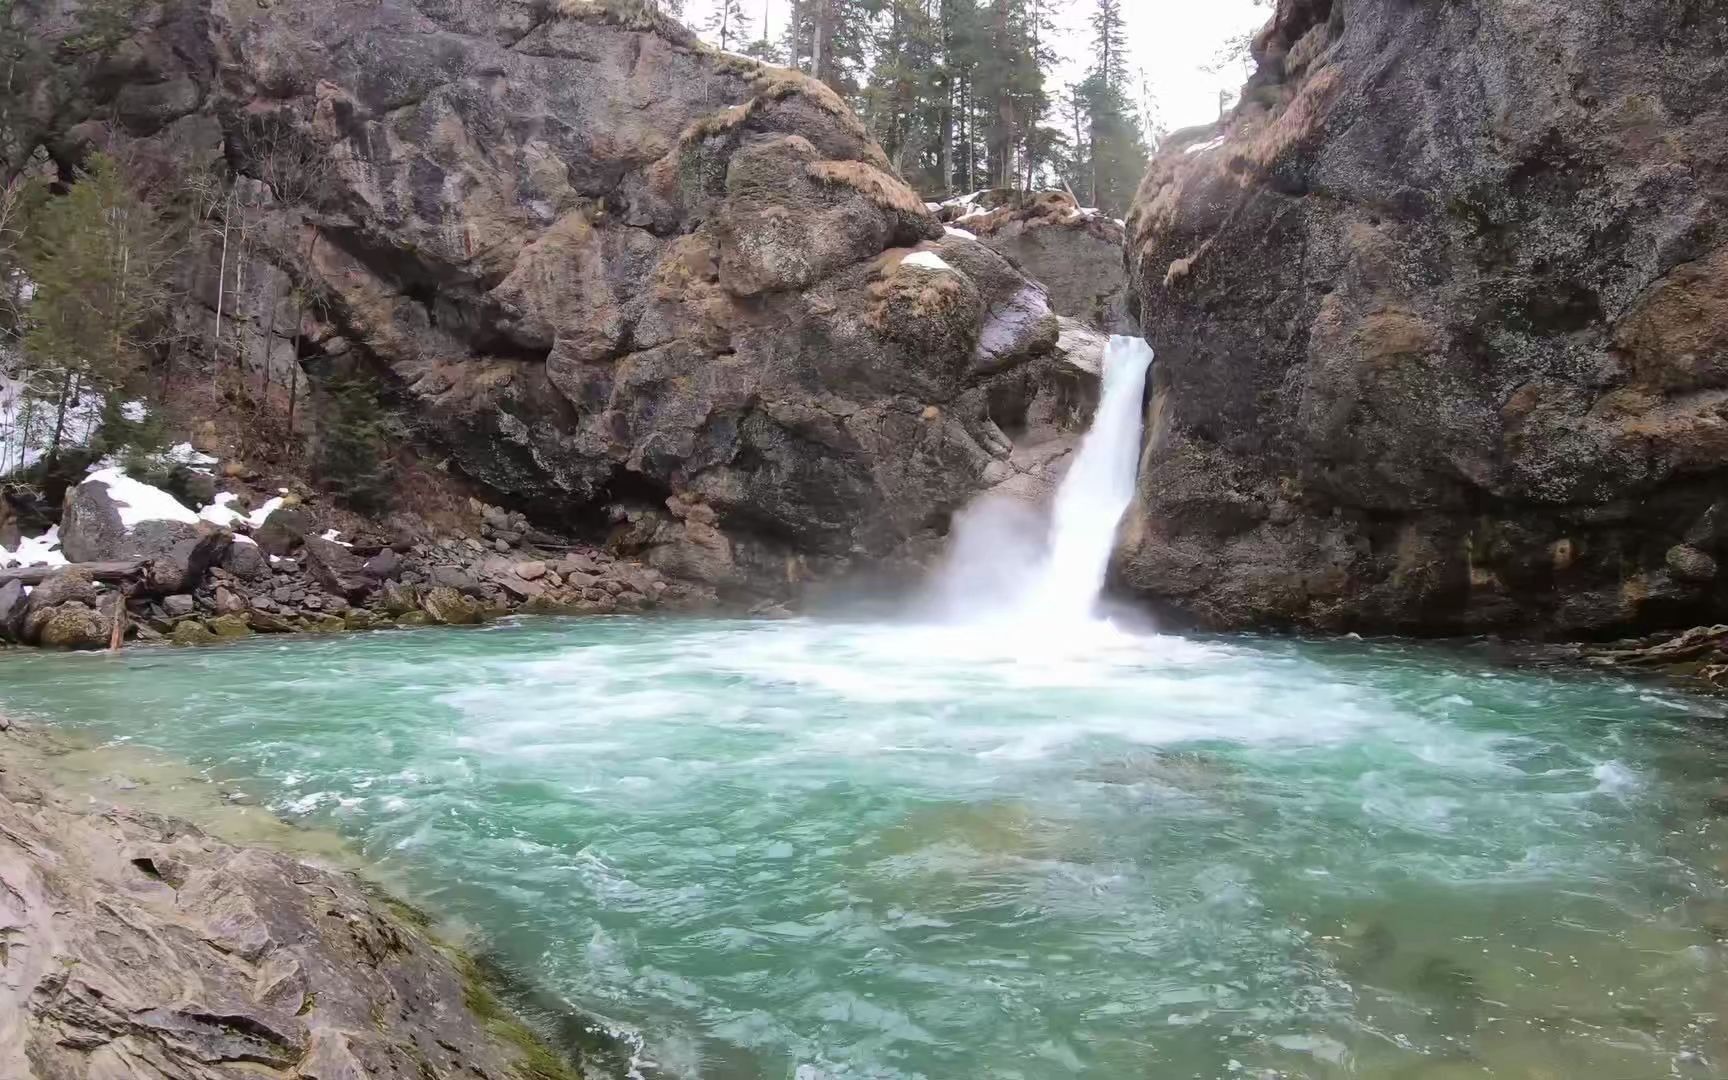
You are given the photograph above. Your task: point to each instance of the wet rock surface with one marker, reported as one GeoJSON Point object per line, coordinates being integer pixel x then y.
{"type": "Point", "coordinates": [1442, 341]}
{"type": "Point", "coordinates": [136, 947]}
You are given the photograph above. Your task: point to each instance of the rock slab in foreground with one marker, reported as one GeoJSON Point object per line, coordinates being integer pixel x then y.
{"type": "Point", "coordinates": [135, 946]}
{"type": "Point", "coordinates": [1441, 325]}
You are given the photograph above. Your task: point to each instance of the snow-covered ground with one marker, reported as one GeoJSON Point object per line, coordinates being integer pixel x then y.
{"type": "Point", "coordinates": [138, 502]}
{"type": "Point", "coordinates": [27, 423]}
{"type": "Point", "coordinates": [36, 549]}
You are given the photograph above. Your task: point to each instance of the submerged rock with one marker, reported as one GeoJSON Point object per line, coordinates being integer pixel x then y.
{"type": "Point", "coordinates": [1442, 336]}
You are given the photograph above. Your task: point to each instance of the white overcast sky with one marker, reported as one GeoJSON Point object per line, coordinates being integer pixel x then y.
{"type": "Point", "coordinates": [1172, 40]}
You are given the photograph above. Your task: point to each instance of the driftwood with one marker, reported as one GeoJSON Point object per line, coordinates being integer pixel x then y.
{"type": "Point", "coordinates": [98, 571]}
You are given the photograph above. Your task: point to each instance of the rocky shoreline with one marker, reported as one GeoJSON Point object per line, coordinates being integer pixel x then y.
{"type": "Point", "coordinates": [283, 568]}
{"type": "Point", "coordinates": [136, 944]}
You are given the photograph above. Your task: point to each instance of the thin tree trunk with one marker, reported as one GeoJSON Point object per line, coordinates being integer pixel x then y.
{"type": "Point", "coordinates": [221, 281]}
{"type": "Point", "coordinates": [53, 460]}
{"type": "Point", "coordinates": [816, 39]}
{"type": "Point", "coordinates": [269, 338]}
{"type": "Point", "coordinates": [299, 333]}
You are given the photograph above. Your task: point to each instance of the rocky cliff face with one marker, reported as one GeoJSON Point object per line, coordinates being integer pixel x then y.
{"type": "Point", "coordinates": [1441, 324]}
{"type": "Point", "coordinates": [618, 276]}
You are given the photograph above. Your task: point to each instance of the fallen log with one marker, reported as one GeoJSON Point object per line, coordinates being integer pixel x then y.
{"type": "Point", "coordinates": [98, 571]}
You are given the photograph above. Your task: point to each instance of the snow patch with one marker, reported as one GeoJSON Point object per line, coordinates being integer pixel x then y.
{"type": "Point", "coordinates": [257, 517]}
{"type": "Point", "coordinates": [1201, 148]}
{"type": "Point", "coordinates": [183, 454]}
{"type": "Point", "coordinates": [333, 535]}
{"type": "Point", "coordinates": [139, 502]}
{"type": "Point", "coordinates": [949, 230]}
{"type": "Point", "coordinates": [221, 513]}
{"type": "Point", "coordinates": [134, 411]}
{"type": "Point", "coordinates": [27, 424]}
{"type": "Point", "coordinates": [928, 260]}
{"type": "Point", "coordinates": [36, 549]}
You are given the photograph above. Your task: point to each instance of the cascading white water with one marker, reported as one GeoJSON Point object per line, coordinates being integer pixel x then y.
{"type": "Point", "coordinates": [1001, 564]}
{"type": "Point", "coordinates": [1097, 490]}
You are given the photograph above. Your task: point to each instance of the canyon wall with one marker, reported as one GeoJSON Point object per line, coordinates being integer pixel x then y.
{"type": "Point", "coordinates": [1441, 313]}
{"type": "Point", "coordinates": [623, 280]}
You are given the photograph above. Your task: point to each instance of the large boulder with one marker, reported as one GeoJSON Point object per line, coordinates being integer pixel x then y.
{"type": "Point", "coordinates": [90, 525]}
{"type": "Point", "coordinates": [1441, 325]}
{"type": "Point", "coordinates": [178, 550]}
{"type": "Point", "coordinates": [1075, 253]}
{"type": "Point", "coordinates": [283, 530]}
{"type": "Point", "coordinates": [245, 559]}
{"type": "Point", "coordinates": [687, 285]}
{"type": "Point", "coordinates": [336, 568]}
{"type": "Point", "coordinates": [451, 608]}
{"type": "Point", "coordinates": [71, 625]}
{"type": "Point", "coordinates": [179, 554]}
{"type": "Point", "coordinates": [69, 584]}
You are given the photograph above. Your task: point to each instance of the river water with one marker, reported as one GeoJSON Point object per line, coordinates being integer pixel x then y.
{"type": "Point", "coordinates": [820, 849]}
{"type": "Point", "coordinates": [1003, 838]}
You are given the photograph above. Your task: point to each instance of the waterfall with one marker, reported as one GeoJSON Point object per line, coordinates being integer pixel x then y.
{"type": "Point", "coordinates": [999, 566]}
{"type": "Point", "coordinates": [1098, 488]}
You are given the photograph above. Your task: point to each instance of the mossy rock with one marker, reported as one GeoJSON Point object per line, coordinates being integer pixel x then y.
{"type": "Point", "coordinates": [72, 626]}
{"type": "Point", "coordinates": [229, 627]}
{"type": "Point", "coordinates": [191, 632]}
{"type": "Point", "coordinates": [265, 623]}
{"type": "Point", "coordinates": [451, 608]}
{"type": "Point", "coordinates": [324, 624]}
{"type": "Point", "coordinates": [414, 618]}
{"type": "Point", "coordinates": [358, 619]}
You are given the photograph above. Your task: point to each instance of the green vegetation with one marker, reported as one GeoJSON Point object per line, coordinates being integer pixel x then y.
{"type": "Point", "coordinates": [86, 277]}
{"type": "Point", "coordinates": [537, 1061]}
{"type": "Point", "coordinates": [351, 457]}
{"type": "Point", "coordinates": [959, 93]}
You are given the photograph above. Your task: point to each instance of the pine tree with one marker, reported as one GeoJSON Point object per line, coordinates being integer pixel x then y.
{"type": "Point", "coordinates": [1107, 151]}
{"type": "Point", "coordinates": [763, 48]}
{"type": "Point", "coordinates": [729, 25]}
{"type": "Point", "coordinates": [98, 257]}
{"type": "Point", "coordinates": [352, 452]}
{"type": "Point", "coordinates": [832, 40]}
{"type": "Point", "coordinates": [1110, 43]}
